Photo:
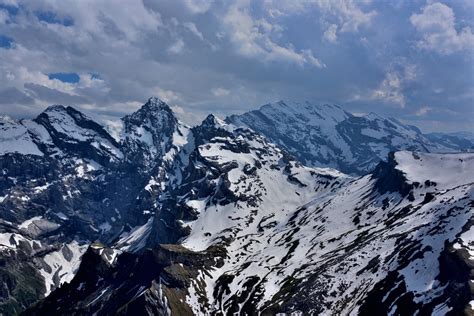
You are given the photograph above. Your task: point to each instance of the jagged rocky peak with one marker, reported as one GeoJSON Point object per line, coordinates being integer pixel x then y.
{"type": "Point", "coordinates": [212, 121]}
{"type": "Point", "coordinates": [210, 127]}
{"type": "Point", "coordinates": [152, 132]}
{"type": "Point", "coordinates": [149, 123]}
{"type": "Point", "coordinates": [155, 103]}
{"type": "Point", "coordinates": [253, 230]}
{"type": "Point", "coordinates": [154, 110]}
{"type": "Point", "coordinates": [59, 113]}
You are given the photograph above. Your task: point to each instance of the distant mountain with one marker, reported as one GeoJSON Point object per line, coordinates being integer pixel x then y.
{"type": "Point", "coordinates": [460, 141]}
{"type": "Point", "coordinates": [162, 219]}
{"type": "Point", "coordinates": [327, 136]}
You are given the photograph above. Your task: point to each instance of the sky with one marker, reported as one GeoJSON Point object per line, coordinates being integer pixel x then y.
{"type": "Point", "coordinates": [408, 59]}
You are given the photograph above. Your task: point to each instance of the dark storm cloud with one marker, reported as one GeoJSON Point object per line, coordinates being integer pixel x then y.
{"type": "Point", "coordinates": [409, 59]}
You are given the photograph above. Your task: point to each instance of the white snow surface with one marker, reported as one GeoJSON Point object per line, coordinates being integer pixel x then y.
{"type": "Point", "coordinates": [64, 267]}
{"type": "Point", "coordinates": [15, 138]}
{"type": "Point", "coordinates": [275, 239]}
{"type": "Point", "coordinates": [324, 135]}
{"type": "Point", "coordinates": [451, 169]}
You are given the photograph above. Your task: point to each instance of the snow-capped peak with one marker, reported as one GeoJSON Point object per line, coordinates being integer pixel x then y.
{"type": "Point", "coordinates": [152, 132]}
{"type": "Point", "coordinates": [213, 121]}
{"type": "Point", "coordinates": [55, 108]}
{"type": "Point", "coordinates": [156, 104]}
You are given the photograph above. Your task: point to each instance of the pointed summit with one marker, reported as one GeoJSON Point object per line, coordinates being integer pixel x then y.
{"type": "Point", "coordinates": [210, 127]}
{"type": "Point", "coordinates": [55, 108]}
{"type": "Point", "coordinates": [155, 104]}
{"type": "Point", "coordinates": [77, 134]}
{"type": "Point", "coordinates": [61, 112]}
{"type": "Point", "coordinates": [212, 121]}
{"type": "Point", "coordinates": [148, 133]}
{"type": "Point", "coordinates": [154, 111]}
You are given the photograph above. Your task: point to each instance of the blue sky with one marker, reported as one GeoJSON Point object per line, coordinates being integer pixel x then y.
{"type": "Point", "coordinates": [411, 59]}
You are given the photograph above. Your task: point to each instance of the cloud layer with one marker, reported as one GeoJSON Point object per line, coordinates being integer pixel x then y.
{"type": "Point", "coordinates": [413, 59]}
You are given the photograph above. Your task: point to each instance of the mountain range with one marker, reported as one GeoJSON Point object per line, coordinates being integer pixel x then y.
{"type": "Point", "coordinates": [292, 208]}
{"type": "Point", "coordinates": [328, 136]}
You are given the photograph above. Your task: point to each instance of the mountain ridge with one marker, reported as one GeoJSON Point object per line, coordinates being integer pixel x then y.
{"type": "Point", "coordinates": [338, 139]}
{"type": "Point", "coordinates": [223, 216]}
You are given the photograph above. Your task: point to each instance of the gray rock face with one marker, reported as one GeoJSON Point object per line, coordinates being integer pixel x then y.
{"type": "Point", "coordinates": [66, 181]}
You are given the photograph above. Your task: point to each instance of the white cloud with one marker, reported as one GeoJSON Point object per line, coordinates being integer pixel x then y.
{"type": "Point", "coordinates": [255, 38]}
{"type": "Point", "coordinates": [436, 25]}
{"type": "Point", "coordinates": [391, 89]}
{"type": "Point", "coordinates": [220, 92]}
{"type": "Point", "coordinates": [193, 29]}
{"type": "Point", "coordinates": [348, 13]}
{"type": "Point", "coordinates": [308, 57]}
{"type": "Point", "coordinates": [177, 47]}
{"type": "Point", "coordinates": [126, 46]}
{"type": "Point", "coordinates": [330, 34]}
{"type": "Point", "coordinates": [423, 111]}
{"type": "Point", "coordinates": [130, 18]}
{"type": "Point", "coordinates": [168, 96]}
{"type": "Point", "coordinates": [198, 6]}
